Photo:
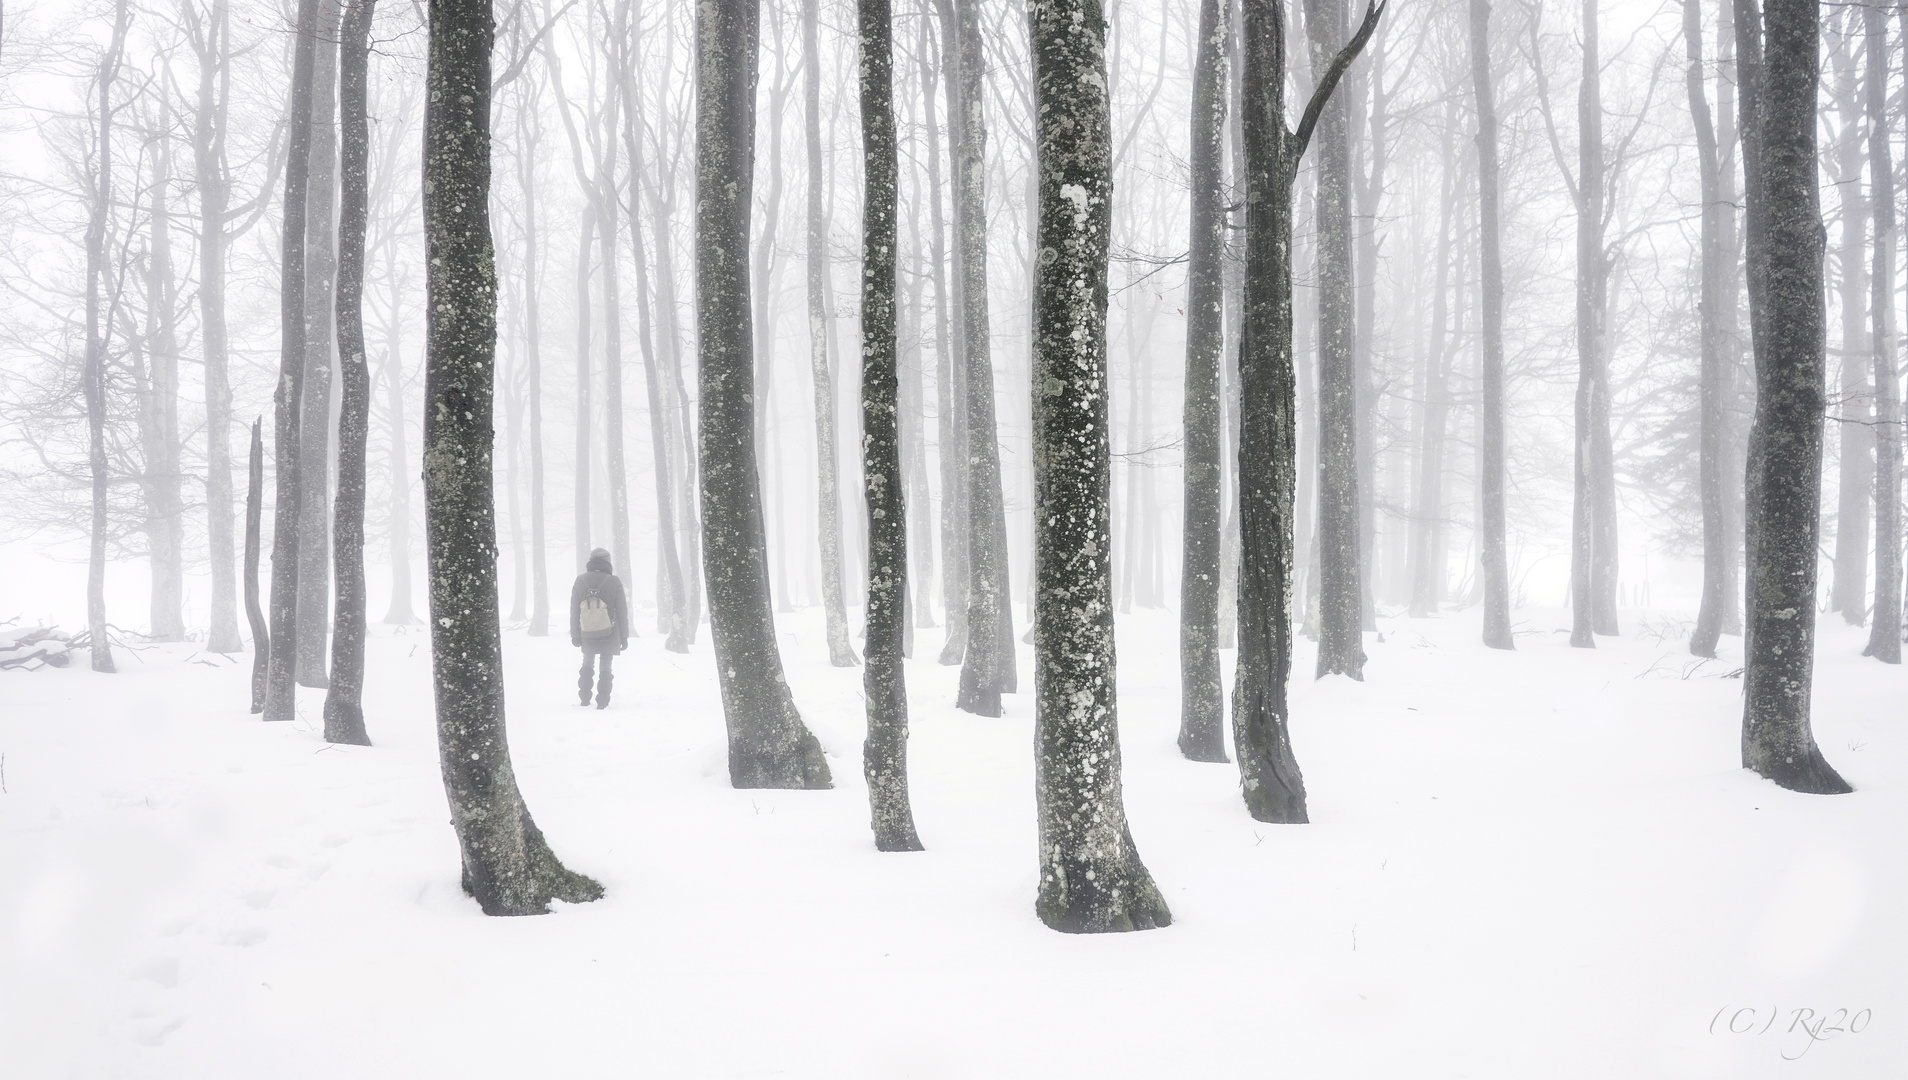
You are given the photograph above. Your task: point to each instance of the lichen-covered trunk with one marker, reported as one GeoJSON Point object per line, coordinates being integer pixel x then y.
{"type": "Point", "coordinates": [314, 423]}
{"type": "Point", "coordinates": [768, 744]}
{"type": "Point", "coordinates": [344, 699]}
{"type": "Point", "coordinates": [508, 866]}
{"type": "Point", "coordinates": [884, 756]}
{"type": "Point", "coordinates": [1091, 877]}
{"type": "Point", "coordinates": [950, 401]}
{"type": "Point", "coordinates": [1269, 774]}
{"type": "Point", "coordinates": [1712, 386]}
{"type": "Point", "coordinates": [281, 677]}
{"type": "Point", "coordinates": [988, 670]}
{"type": "Point", "coordinates": [1778, 87]}
{"type": "Point", "coordinates": [1202, 717]}
{"type": "Point", "coordinates": [1493, 562]}
{"type": "Point", "coordinates": [1341, 646]}
{"type": "Point", "coordinates": [212, 43]}
{"type": "Point", "coordinates": [1235, 322]}
{"type": "Point", "coordinates": [254, 514]}
{"type": "Point", "coordinates": [828, 477]}
{"type": "Point", "coordinates": [1884, 639]}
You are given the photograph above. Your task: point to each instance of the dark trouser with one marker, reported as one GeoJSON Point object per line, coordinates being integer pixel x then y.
{"type": "Point", "coordinates": [586, 676]}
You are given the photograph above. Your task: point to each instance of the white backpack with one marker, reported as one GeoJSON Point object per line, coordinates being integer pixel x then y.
{"type": "Point", "coordinates": [595, 616]}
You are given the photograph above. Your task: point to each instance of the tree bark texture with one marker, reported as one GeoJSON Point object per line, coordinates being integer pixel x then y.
{"type": "Point", "coordinates": [828, 476]}
{"type": "Point", "coordinates": [1341, 645]}
{"type": "Point", "coordinates": [1493, 561]}
{"type": "Point", "coordinates": [314, 424]}
{"type": "Point", "coordinates": [1091, 876]}
{"type": "Point", "coordinates": [988, 670]}
{"type": "Point", "coordinates": [1884, 638]}
{"type": "Point", "coordinates": [1273, 786]}
{"type": "Point", "coordinates": [254, 513]}
{"type": "Point", "coordinates": [344, 698]}
{"type": "Point", "coordinates": [884, 756]}
{"type": "Point", "coordinates": [508, 866]}
{"type": "Point", "coordinates": [1202, 716]}
{"type": "Point", "coordinates": [281, 678]}
{"type": "Point", "coordinates": [1778, 85]}
{"type": "Point", "coordinates": [768, 744]}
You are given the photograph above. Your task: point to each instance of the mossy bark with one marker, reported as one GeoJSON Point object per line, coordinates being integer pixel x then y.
{"type": "Point", "coordinates": [768, 744]}
{"type": "Point", "coordinates": [1091, 876]}
{"type": "Point", "coordinates": [508, 867]}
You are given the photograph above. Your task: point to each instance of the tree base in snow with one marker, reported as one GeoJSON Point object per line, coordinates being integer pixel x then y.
{"type": "Point", "coordinates": [1207, 746]}
{"type": "Point", "coordinates": [1100, 896]}
{"type": "Point", "coordinates": [799, 765]}
{"type": "Point", "coordinates": [344, 724]}
{"type": "Point", "coordinates": [977, 701]}
{"type": "Point", "coordinates": [524, 881]}
{"type": "Point", "coordinates": [1812, 775]}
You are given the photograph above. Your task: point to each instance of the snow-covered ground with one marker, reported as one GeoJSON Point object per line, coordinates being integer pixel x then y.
{"type": "Point", "coordinates": [1541, 864]}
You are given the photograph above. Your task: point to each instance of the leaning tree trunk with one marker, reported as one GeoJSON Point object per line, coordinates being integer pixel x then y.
{"type": "Point", "coordinates": [281, 678]}
{"type": "Point", "coordinates": [1493, 562]}
{"type": "Point", "coordinates": [1884, 638]}
{"type": "Point", "coordinates": [1714, 378]}
{"type": "Point", "coordinates": [1274, 790]}
{"type": "Point", "coordinates": [344, 699]}
{"type": "Point", "coordinates": [1341, 643]}
{"type": "Point", "coordinates": [1785, 243]}
{"type": "Point", "coordinates": [1202, 715]}
{"type": "Point", "coordinates": [508, 866]}
{"type": "Point", "coordinates": [768, 744]}
{"type": "Point", "coordinates": [208, 142]}
{"type": "Point", "coordinates": [93, 373]}
{"type": "Point", "coordinates": [314, 424]}
{"type": "Point", "coordinates": [254, 512]}
{"type": "Point", "coordinates": [988, 670]}
{"type": "Point", "coordinates": [828, 477]}
{"type": "Point", "coordinates": [1091, 877]}
{"type": "Point", "coordinates": [885, 755]}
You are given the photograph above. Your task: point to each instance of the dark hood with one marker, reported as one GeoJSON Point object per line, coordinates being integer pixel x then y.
{"type": "Point", "coordinates": [599, 566]}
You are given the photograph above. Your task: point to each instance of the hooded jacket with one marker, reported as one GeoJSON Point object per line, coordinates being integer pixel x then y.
{"type": "Point", "coordinates": [596, 577]}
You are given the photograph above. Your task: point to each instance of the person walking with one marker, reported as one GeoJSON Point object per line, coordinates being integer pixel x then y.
{"type": "Point", "coordinates": [599, 624]}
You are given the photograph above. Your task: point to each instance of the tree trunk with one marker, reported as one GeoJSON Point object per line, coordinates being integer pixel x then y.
{"type": "Point", "coordinates": [671, 602]}
{"type": "Point", "coordinates": [580, 497]}
{"type": "Point", "coordinates": [1493, 562]}
{"type": "Point", "coordinates": [529, 138]}
{"type": "Point", "coordinates": [281, 678]}
{"type": "Point", "coordinates": [93, 374]}
{"type": "Point", "coordinates": [1202, 719]}
{"type": "Point", "coordinates": [314, 424]}
{"type": "Point", "coordinates": [828, 477]}
{"type": "Point", "coordinates": [912, 333]}
{"type": "Point", "coordinates": [1586, 529]}
{"type": "Point", "coordinates": [617, 460]}
{"type": "Point", "coordinates": [1427, 564]}
{"type": "Point", "coordinates": [1785, 243]}
{"type": "Point", "coordinates": [211, 41]}
{"type": "Point", "coordinates": [1848, 590]}
{"type": "Point", "coordinates": [885, 754]}
{"type": "Point", "coordinates": [767, 261]}
{"type": "Point", "coordinates": [1273, 787]}
{"type": "Point", "coordinates": [165, 510]}
{"type": "Point", "coordinates": [1884, 639]}
{"type": "Point", "coordinates": [988, 670]}
{"type": "Point", "coordinates": [344, 699]}
{"type": "Point", "coordinates": [949, 382]}
{"type": "Point", "coordinates": [1091, 877]}
{"type": "Point", "coordinates": [398, 510]}
{"type": "Point", "coordinates": [1341, 645]}
{"type": "Point", "coordinates": [1235, 323]}
{"type": "Point", "coordinates": [1368, 186]}
{"type": "Point", "coordinates": [1714, 378]}
{"type": "Point", "coordinates": [1738, 376]}
{"type": "Point", "coordinates": [508, 866]}
{"type": "Point", "coordinates": [768, 744]}
{"type": "Point", "coordinates": [254, 512]}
